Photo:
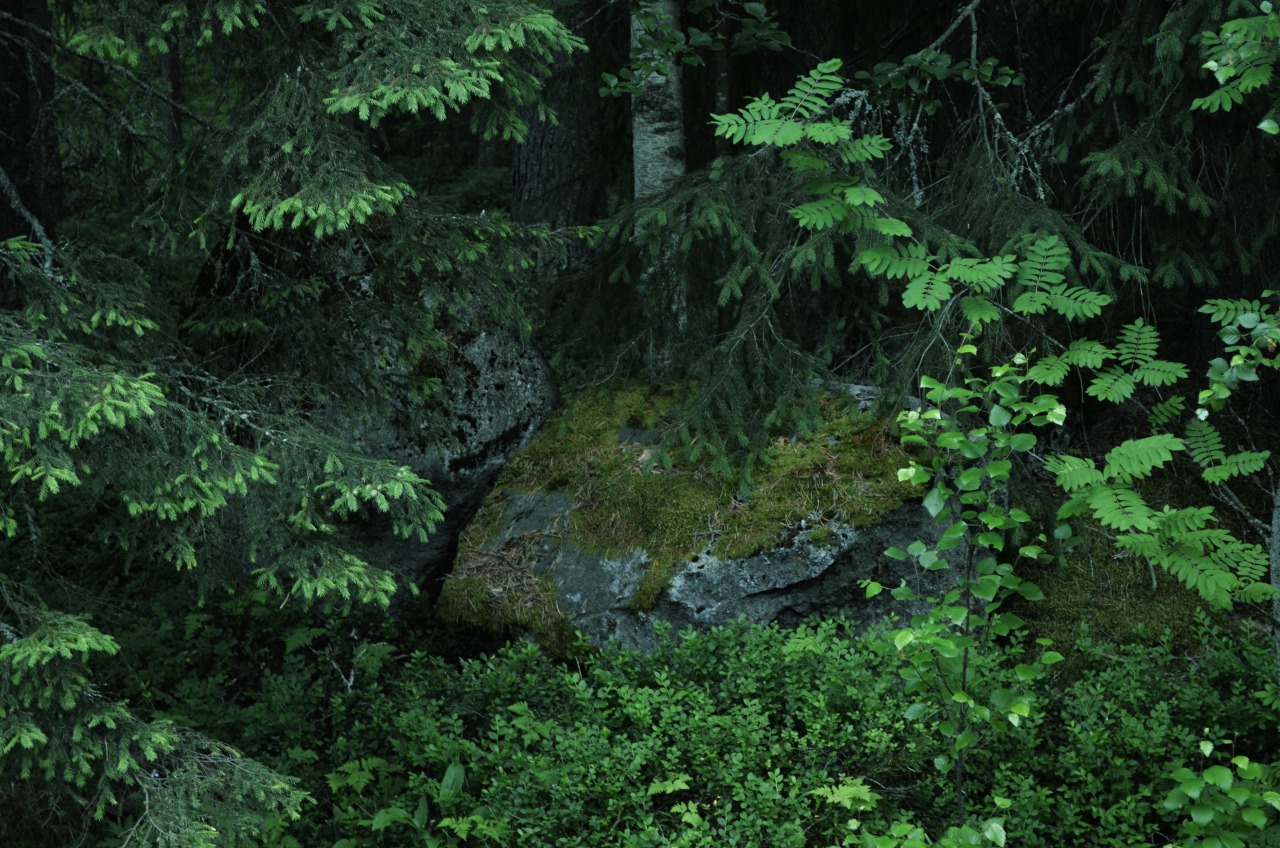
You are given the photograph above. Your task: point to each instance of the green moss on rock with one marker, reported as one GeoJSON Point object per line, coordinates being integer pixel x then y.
{"type": "Point", "coordinates": [845, 471]}
{"type": "Point", "coordinates": [505, 600]}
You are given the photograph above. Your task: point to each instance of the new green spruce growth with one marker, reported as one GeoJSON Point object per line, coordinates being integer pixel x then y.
{"type": "Point", "coordinates": [59, 734]}
{"type": "Point", "coordinates": [147, 417]}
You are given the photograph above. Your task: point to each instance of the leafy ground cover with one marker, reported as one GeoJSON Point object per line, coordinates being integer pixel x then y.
{"type": "Point", "coordinates": [743, 735]}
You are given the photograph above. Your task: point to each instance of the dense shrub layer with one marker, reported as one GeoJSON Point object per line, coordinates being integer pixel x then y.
{"type": "Point", "coordinates": [757, 736]}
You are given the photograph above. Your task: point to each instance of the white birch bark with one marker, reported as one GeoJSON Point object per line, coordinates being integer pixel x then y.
{"type": "Point", "coordinates": [657, 110]}
{"type": "Point", "coordinates": [658, 162]}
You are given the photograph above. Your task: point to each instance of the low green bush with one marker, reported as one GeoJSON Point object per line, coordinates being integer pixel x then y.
{"type": "Point", "coordinates": [757, 736]}
{"type": "Point", "coordinates": [743, 735]}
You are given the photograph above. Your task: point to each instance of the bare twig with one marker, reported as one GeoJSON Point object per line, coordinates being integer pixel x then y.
{"type": "Point", "coordinates": [966, 12]}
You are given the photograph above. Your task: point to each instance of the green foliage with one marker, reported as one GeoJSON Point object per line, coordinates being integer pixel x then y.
{"type": "Point", "coordinates": [845, 201]}
{"type": "Point", "coordinates": [1130, 718]}
{"type": "Point", "coordinates": [1250, 331]}
{"type": "Point", "coordinates": [749, 276]}
{"type": "Point", "coordinates": [153, 418]}
{"type": "Point", "coordinates": [391, 76]}
{"type": "Point", "coordinates": [1241, 56]}
{"type": "Point", "coordinates": [242, 285]}
{"type": "Point", "coordinates": [742, 733]}
{"type": "Point", "coordinates": [782, 124]}
{"type": "Point", "coordinates": [973, 429]}
{"type": "Point", "coordinates": [1229, 806]}
{"type": "Point", "coordinates": [67, 743]}
{"type": "Point", "coordinates": [1211, 561]}
{"type": "Point", "coordinates": [715, 26]}
{"type": "Point", "coordinates": [1206, 447]}
{"type": "Point", "coordinates": [752, 735]}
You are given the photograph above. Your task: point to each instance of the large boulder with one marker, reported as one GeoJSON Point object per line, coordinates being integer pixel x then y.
{"type": "Point", "coordinates": [580, 535]}
{"type": "Point", "coordinates": [811, 568]}
{"type": "Point", "coordinates": [496, 391]}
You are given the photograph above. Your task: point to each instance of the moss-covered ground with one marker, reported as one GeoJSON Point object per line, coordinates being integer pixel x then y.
{"type": "Point", "coordinates": [1099, 590]}
{"type": "Point", "coordinates": [624, 499]}
{"type": "Point", "coordinates": [1100, 594]}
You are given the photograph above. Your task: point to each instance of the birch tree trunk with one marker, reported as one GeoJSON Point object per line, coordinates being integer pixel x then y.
{"type": "Point", "coordinates": [657, 109]}
{"type": "Point", "coordinates": [658, 162]}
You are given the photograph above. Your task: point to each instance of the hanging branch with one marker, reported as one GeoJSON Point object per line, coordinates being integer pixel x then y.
{"type": "Point", "coordinates": [112, 67]}
{"type": "Point", "coordinates": [966, 12]}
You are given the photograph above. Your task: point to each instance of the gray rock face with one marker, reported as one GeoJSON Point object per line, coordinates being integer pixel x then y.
{"type": "Point", "coordinates": [498, 392]}
{"type": "Point", "coordinates": [502, 394]}
{"type": "Point", "coordinates": [798, 577]}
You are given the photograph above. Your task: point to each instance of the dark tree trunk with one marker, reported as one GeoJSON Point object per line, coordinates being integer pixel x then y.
{"type": "Point", "coordinates": [171, 68]}
{"type": "Point", "coordinates": [31, 196]}
{"type": "Point", "coordinates": [562, 173]}
{"type": "Point", "coordinates": [565, 174]}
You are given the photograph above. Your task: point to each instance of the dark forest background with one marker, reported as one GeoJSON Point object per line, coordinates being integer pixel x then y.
{"type": "Point", "coordinates": [245, 246]}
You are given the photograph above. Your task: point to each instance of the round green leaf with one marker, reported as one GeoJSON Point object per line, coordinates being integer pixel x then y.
{"type": "Point", "coordinates": [1254, 816]}
{"type": "Point", "coordinates": [1022, 441]}
{"type": "Point", "coordinates": [1219, 776]}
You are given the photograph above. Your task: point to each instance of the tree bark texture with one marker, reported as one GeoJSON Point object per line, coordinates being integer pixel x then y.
{"type": "Point", "coordinates": [658, 163]}
{"type": "Point", "coordinates": [561, 175]}
{"type": "Point", "coordinates": [657, 111]}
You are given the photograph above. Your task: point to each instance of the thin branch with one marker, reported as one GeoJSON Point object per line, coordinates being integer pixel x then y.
{"type": "Point", "coordinates": [967, 11]}
{"type": "Point", "coordinates": [15, 200]}
{"type": "Point", "coordinates": [110, 66]}
{"type": "Point", "coordinates": [78, 87]}
{"type": "Point", "coordinates": [1228, 496]}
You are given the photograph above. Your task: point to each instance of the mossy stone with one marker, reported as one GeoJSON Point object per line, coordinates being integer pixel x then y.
{"type": "Point", "coordinates": [623, 499]}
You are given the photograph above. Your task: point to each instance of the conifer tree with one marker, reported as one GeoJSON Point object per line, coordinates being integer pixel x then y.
{"type": "Point", "coordinates": [243, 271]}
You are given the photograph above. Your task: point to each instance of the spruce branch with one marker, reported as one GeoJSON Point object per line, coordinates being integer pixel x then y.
{"type": "Point", "coordinates": [79, 88]}
{"type": "Point", "coordinates": [112, 67]}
